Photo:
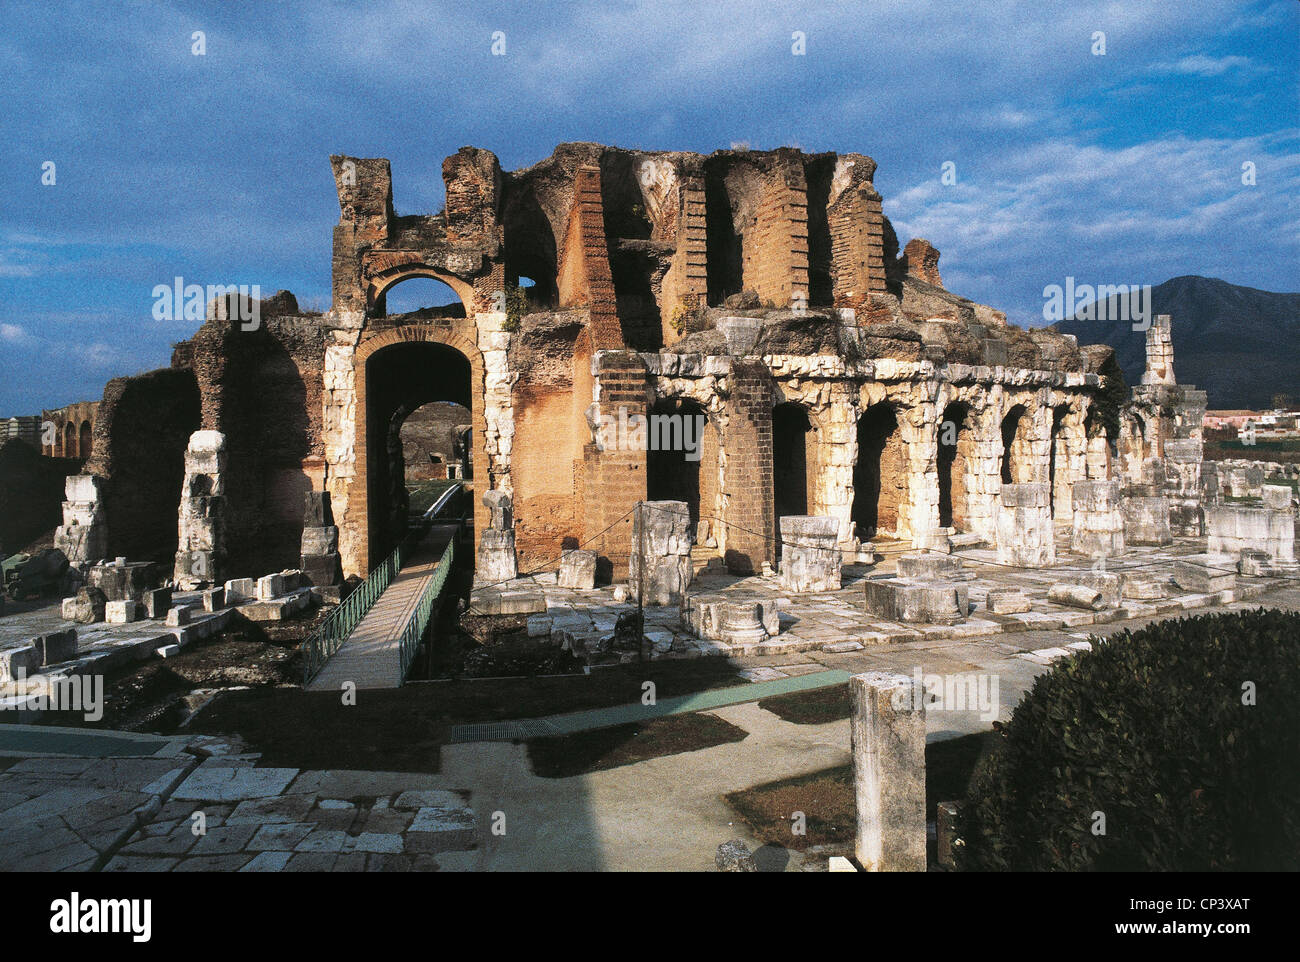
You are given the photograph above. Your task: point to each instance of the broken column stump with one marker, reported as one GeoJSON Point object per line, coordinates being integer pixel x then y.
{"type": "Point", "coordinates": [320, 542]}
{"type": "Point", "coordinates": [200, 554]}
{"type": "Point", "coordinates": [497, 561]}
{"type": "Point", "coordinates": [887, 731]}
{"type": "Point", "coordinates": [1024, 526]}
{"type": "Point", "coordinates": [662, 537]}
{"type": "Point", "coordinates": [1097, 525]}
{"type": "Point", "coordinates": [810, 557]}
{"type": "Point", "coordinates": [83, 536]}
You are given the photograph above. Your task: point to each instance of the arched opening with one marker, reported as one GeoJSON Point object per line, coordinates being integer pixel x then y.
{"type": "Point", "coordinates": [1057, 453]}
{"type": "Point", "coordinates": [69, 440]}
{"type": "Point", "coordinates": [1014, 468]}
{"type": "Point", "coordinates": [419, 298]}
{"type": "Point", "coordinates": [956, 445]}
{"type": "Point", "coordinates": [682, 456]}
{"type": "Point", "coordinates": [880, 475]}
{"type": "Point", "coordinates": [794, 441]}
{"type": "Point", "coordinates": [401, 379]}
{"type": "Point", "coordinates": [85, 442]}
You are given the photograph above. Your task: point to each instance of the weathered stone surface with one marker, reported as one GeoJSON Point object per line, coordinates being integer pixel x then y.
{"type": "Point", "coordinates": [156, 602]}
{"type": "Point", "coordinates": [497, 560]}
{"type": "Point", "coordinates": [122, 612]}
{"type": "Point", "coordinates": [810, 557]}
{"type": "Point", "coordinates": [201, 551]}
{"type": "Point", "coordinates": [56, 646]}
{"type": "Point", "coordinates": [270, 587]}
{"type": "Point", "coordinates": [89, 606]}
{"type": "Point", "coordinates": [1097, 527]}
{"type": "Point", "coordinates": [887, 732]}
{"type": "Point", "coordinates": [925, 602]}
{"type": "Point", "coordinates": [1146, 520]}
{"type": "Point", "coordinates": [241, 590]}
{"type": "Point", "coordinates": [1007, 601]}
{"type": "Point", "coordinates": [18, 661]}
{"type": "Point", "coordinates": [928, 566]}
{"type": "Point", "coordinates": [734, 856]}
{"type": "Point", "coordinates": [1232, 528]}
{"type": "Point", "coordinates": [178, 616]}
{"type": "Point", "coordinates": [661, 552]}
{"type": "Point", "coordinates": [577, 569]}
{"type": "Point", "coordinates": [1206, 573]}
{"type": "Point", "coordinates": [1024, 526]}
{"type": "Point", "coordinates": [1076, 596]}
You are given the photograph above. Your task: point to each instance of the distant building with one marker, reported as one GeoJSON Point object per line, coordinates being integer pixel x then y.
{"type": "Point", "coordinates": [25, 428]}
{"type": "Point", "coordinates": [68, 432]}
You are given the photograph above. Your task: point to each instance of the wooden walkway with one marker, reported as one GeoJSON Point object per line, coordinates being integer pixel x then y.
{"type": "Point", "coordinates": [372, 657]}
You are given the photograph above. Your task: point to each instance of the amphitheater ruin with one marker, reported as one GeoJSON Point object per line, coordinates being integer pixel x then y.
{"type": "Point", "coordinates": [849, 408]}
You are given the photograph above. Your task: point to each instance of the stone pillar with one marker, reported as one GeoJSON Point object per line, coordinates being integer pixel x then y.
{"type": "Point", "coordinates": [1024, 532]}
{"type": "Point", "coordinates": [614, 480]}
{"type": "Point", "coordinates": [1097, 528]}
{"type": "Point", "coordinates": [83, 536]}
{"type": "Point", "coordinates": [1160, 352]}
{"type": "Point", "coordinates": [747, 481]}
{"type": "Point", "coordinates": [887, 729]}
{"type": "Point", "coordinates": [1146, 519]}
{"type": "Point", "coordinates": [810, 559]}
{"type": "Point", "coordinates": [661, 552]}
{"type": "Point", "coordinates": [1182, 469]}
{"type": "Point", "coordinates": [200, 552]}
{"type": "Point", "coordinates": [320, 541]}
{"type": "Point", "coordinates": [497, 561]}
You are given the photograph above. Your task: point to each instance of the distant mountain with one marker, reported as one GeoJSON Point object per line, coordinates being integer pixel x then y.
{"type": "Point", "coordinates": [1240, 344]}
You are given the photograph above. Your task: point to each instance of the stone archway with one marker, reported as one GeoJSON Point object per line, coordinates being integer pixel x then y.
{"type": "Point", "coordinates": [383, 270]}
{"type": "Point", "coordinates": [459, 336]}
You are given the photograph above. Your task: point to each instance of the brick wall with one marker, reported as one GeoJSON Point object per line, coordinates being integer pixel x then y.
{"type": "Point", "coordinates": [751, 530]}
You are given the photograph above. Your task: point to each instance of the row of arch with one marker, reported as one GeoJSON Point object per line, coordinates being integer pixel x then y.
{"type": "Point", "coordinates": [881, 472]}
{"type": "Point", "coordinates": [72, 441]}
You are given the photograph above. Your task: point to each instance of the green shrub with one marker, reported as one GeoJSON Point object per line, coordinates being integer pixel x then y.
{"type": "Point", "coordinates": [1152, 730]}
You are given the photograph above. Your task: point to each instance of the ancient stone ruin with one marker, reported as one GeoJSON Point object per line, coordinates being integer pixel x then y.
{"type": "Point", "coordinates": [734, 342]}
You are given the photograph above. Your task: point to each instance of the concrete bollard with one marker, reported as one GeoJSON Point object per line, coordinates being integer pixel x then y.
{"type": "Point", "coordinates": [887, 727]}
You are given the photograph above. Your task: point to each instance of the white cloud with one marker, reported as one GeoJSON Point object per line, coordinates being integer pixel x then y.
{"type": "Point", "coordinates": [1202, 66]}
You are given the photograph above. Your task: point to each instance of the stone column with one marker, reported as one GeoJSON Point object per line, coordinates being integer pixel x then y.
{"type": "Point", "coordinates": [200, 553]}
{"type": "Point", "coordinates": [810, 559]}
{"type": "Point", "coordinates": [661, 550]}
{"type": "Point", "coordinates": [1097, 528]}
{"type": "Point", "coordinates": [1160, 352]}
{"type": "Point", "coordinates": [320, 541]}
{"type": "Point", "coordinates": [497, 561]}
{"type": "Point", "coordinates": [83, 536]}
{"type": "Point", "coordinates": [887, 730]}
{"type": "Point", "coordinates": [1024, 526]}
{"type": "Point", "coordinates": [747, 480]}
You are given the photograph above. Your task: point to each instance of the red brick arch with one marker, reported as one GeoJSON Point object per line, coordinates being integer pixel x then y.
{"type": "Point", "coordinates": [385, 269]}
{"type": "Point", "coordinates": [460, 334]}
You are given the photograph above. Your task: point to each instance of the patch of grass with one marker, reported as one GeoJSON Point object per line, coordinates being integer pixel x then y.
{"type": "Point", "coordinates": [403, 729]}
{"type": "Point", "coordinates": [567, 755]}
{"type": "Point", "coordinates": [826, 797]}
{"type": "Point", "coordinates": [815, 707]}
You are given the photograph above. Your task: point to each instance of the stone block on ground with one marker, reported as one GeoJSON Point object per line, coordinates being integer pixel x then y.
{"type": "Point", "coordinates": [157, 602]}
{"type": "Point", "coordinates": [1206, 573]}
{"type": "Point", "coordinates": [923, 602]}
{"type": "Point", "coordinates": [577, 569]}
{"type": "Point", "coordinates": [122, 612]}
{"type": "Point", "coordinates": [810, 556]}
{"type": "Point", "coordinates": [1007, 601]}
{"type": "Point", "coordinates": [734, 856]}
{"type": "Point", "coordinates": [928, 566]}
{"type": "Point", "coordinates": [56, 646]}
{"type": "Point", "coordinates": [89, 606]}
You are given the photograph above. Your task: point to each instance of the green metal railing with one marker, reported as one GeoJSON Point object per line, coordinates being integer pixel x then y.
{"type": "Point", "coordinates": [329, 636]}
{"type": "Point", "coordinates": [415, 628]}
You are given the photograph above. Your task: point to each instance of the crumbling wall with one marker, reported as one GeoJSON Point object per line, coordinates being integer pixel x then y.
{"type": "Point", "coordinates": [144, 425]}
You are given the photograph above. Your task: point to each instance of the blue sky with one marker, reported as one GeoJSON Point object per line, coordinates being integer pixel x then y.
{"type": "Point", "coordinates": [1119, 168]}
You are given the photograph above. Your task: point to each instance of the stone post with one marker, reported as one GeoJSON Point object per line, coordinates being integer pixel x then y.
{"type": "Point", "coordinates": [83, 536]}
{"type": "Point", "coordinates": [810, 559]}
{"type": "Point", "coordinates": [887, 729]}
{"type": "Point", "coordinates": [661, 547]}
{"type": "Point", "coordinates": [1024, 532]}
{"type": "Point", "coordinates": [320, 541]}
{"type": "Point", "coordinates": [497, 561]}
{"type": "Point", "coordinates": [200, 553]}
{"type": "Point", "coordinates": [1097, 527]}
{"type": "Point", "coordinates": [1160, 352]}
